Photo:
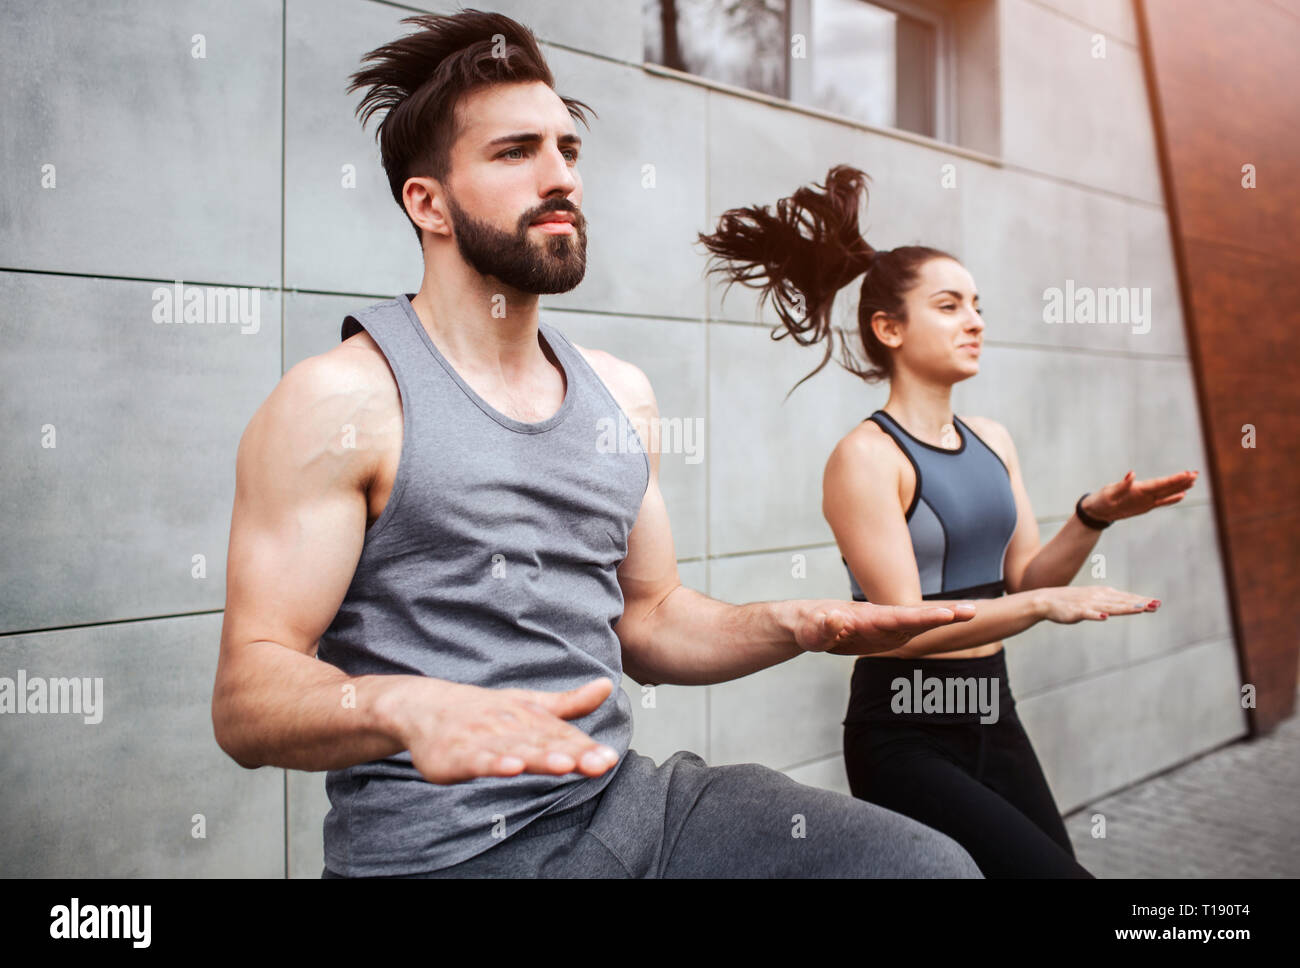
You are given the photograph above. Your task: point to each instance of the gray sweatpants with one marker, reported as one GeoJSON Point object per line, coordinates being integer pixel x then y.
{"type": "Point", "coordinates": [687, 819]}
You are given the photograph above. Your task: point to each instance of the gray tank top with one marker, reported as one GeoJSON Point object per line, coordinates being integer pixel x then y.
{"type": "Point", "coordinates": [493, 563]}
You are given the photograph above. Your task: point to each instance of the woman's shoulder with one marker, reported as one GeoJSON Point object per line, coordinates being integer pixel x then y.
{"type": "Point", "coordinates": [868, 438]}
{"type": "Point", "coordinates": [866, 449]}
{"type": "Point", "coordinates": [993, 434]}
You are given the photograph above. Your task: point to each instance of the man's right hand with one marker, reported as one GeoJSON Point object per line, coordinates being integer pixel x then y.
{"type": "Point", "coordinates": [457, 732]}
{"type": "Point", "coordinates": [861, 628]}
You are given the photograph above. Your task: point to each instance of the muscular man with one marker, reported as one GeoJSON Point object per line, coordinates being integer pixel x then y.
{"type": "Point", "coordinates": [444, 550]}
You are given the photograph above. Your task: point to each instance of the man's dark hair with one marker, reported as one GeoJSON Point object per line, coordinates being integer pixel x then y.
{"type": "Point", "coordinates": [419, 79]}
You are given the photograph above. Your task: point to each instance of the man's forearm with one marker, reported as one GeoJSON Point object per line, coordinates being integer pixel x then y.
{"type": "Point", "coordinates": [693, 640]}
{"type": "Point", "coordinates": [274, 706]}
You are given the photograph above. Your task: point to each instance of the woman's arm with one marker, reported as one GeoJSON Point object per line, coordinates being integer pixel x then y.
{"type": "Point", "coordinates": [1029, 564]}
{"type": "Point", "coordinates": [863, 490]}
{"type": "Point", "coordinates": [1006, 616]}
{"type": "Point", "coordinates": [863, 487]}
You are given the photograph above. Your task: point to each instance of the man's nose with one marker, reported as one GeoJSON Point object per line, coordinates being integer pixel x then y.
{"type": "Point", "coordinates": [555, 173]}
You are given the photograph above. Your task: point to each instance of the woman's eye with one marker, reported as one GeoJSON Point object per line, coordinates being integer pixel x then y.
{"type": "Point", "coordinates": [947, 307]}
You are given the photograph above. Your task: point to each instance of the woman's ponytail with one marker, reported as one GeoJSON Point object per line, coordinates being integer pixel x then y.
{"type": "Point", "coordinates": [799, 257]}
{"type": "Point", "coordinates": [802, 255]}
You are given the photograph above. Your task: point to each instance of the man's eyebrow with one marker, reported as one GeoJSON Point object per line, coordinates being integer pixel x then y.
{"type": "Point", "coordinates": [518, 137]}
{"type": "Point", "coordinates": [532, 138]}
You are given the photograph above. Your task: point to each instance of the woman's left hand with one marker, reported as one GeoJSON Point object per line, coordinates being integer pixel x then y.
{"type": "Point", "coordinates": [1128, 498]}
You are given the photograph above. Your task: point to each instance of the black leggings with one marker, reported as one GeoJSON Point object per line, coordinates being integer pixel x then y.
{"type": "Point", "coordinates": [979, 783]}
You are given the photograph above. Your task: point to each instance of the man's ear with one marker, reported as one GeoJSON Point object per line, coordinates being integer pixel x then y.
{"type": "Point", "coordinates": [426, 203]}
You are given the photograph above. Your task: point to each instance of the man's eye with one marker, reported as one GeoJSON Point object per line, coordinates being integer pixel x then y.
{"type": "Point", "coordinates": [518, 152]}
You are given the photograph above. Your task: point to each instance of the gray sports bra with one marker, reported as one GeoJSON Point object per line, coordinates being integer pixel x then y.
{"type": "Point", "coordinates": [962, 515]}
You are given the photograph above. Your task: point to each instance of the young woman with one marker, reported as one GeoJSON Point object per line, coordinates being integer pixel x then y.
{"type": "Point", "coordinates": [926, 505]}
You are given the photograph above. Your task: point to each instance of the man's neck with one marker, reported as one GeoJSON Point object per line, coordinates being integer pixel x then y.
{"type": "Point", "coordinates": [482, 326]}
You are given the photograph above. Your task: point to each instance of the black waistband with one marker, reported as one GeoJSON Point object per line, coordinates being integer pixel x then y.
{"type": "Point", "coordinates": [993, 589]}
{"type": "Point", "coordinates": [876, 695]}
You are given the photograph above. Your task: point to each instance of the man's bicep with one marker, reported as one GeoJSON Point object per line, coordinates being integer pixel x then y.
{"type": "Point", "coordinates": [649, 572]}
{"type": "Point", "coordinates": [298, 523]}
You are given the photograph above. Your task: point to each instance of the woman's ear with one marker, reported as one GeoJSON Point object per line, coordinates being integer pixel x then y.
{"type": "Point", "coordinates": [888, 329]}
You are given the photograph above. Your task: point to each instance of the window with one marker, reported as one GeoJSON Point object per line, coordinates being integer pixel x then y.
{"type": "Point", "coordinates": [740, 42]}
{"type": "Point", "coordinates": [881, 63]}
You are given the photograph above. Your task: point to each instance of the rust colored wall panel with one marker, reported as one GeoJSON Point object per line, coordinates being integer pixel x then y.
{"type": "Point", "coordinates": [1266, 591]}
{"type": "Point", "coordinates": [1228, 98]}
{"type": "Point", "coordinates": [1224, 94]}
{"type": "Point", "coordinates": [1241, 302]}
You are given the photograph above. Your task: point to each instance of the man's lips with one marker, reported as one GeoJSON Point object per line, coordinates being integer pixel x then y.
{"type": "Point", "coordinates": [556, 223]}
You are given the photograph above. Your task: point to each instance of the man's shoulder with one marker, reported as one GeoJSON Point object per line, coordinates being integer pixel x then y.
{"type": "Point", "coordinates": [356, 365]}
{"type": "Point", "coordinates": [345, 391]}
{"type": "Point", "coordinates": [626, 381]}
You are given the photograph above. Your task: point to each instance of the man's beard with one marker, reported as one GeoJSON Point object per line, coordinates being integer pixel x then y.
{"type": "Point", "coordinates": [556, 264]}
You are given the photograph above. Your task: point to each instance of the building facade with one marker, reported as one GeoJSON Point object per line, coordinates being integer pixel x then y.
{"type": "Point", "coordinates": [168, 143]}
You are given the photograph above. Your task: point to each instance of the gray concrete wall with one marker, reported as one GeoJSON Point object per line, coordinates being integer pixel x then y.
{"type": "Point", "coordinates": [228, 170]}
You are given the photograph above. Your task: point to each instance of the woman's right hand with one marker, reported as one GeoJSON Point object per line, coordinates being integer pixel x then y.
{"type": "Point", "coordinates": [1068, 604]}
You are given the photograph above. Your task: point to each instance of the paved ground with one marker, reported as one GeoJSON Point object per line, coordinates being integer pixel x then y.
{"type": "Point", "coordinates": [1235, 812]}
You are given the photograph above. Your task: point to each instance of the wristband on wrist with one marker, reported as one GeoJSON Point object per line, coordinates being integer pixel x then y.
{"type": "Point", "coordinates": [1095, 523]}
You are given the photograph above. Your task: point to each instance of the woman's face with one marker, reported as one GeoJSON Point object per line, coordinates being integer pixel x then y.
{"type": "Point", "coordinates": [944, 333]}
